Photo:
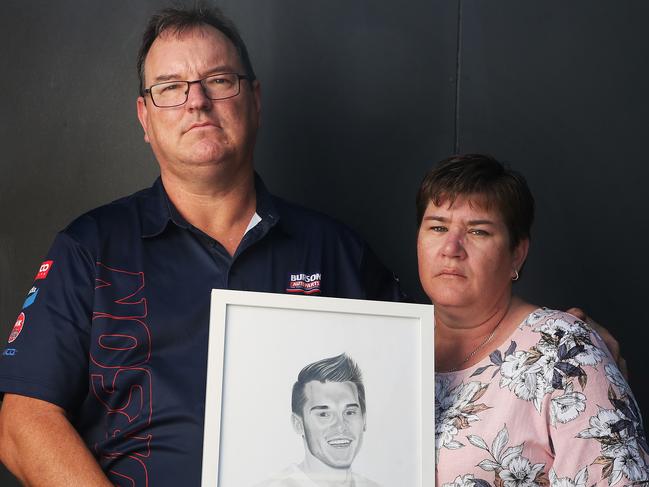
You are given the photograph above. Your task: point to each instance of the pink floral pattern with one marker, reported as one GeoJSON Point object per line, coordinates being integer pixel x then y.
{"type": "Point", "coordinates": [550, 409]}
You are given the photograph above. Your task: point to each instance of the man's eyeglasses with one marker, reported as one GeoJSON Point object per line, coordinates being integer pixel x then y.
{"type": "Point", "coordinates": [175, 93]}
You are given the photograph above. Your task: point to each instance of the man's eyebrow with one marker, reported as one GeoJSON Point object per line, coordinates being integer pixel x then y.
{"type": "Point", "coordinates": [352, 405]}
{"type": "Point", "coordinates": [166, 77]}
{"type": "Point", "coordinates": [318, 408]}
{"type": "Point", "coordinates": [176, 77]}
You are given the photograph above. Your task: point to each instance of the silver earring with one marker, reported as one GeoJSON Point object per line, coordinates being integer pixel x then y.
{"type": "Point", "coordinates": [516, 276]}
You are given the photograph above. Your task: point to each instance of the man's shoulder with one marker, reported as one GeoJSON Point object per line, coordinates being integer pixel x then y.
{"type": "Point", "coordinates": [294, 476]}
{"type": "Point", "coordinates": [122, 215]}
{"type": "Point", "coordinates": [302, 220]}
{"type": "Point", "coordinates": [291, 476]}
{"type": "Point", "coordinates": [125, 204]}
{"type": "Point", "coordinates": [353, 268]}
{"type": "Point", "coordinates": [360, 481]}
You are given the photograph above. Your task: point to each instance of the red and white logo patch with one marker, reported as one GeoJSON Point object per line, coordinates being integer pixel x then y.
{"type": "Point", "coordinates": [304, 283]}
{"type": "Point", "coordinates": [18, 327]}
{"type": "Point", "coordinates": [44, 269]}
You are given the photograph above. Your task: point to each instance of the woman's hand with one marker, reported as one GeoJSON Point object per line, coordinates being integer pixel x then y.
{"type": "Point", "coordinates": [610, 341]}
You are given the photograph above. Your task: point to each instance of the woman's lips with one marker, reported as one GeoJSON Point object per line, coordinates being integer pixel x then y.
{"type": "Point", "coordinates": [451, 273]}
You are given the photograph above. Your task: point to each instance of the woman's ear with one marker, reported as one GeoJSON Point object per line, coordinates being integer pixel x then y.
{"type": "Point", "coordinates": [520, 254]}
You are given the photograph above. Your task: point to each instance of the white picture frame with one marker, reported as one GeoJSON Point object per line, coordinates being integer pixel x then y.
{"type": "Point", "coordinates": [259, 342]}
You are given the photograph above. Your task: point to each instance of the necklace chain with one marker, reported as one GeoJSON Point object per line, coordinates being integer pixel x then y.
{"type": "Point", "coordinates": [479, 347]}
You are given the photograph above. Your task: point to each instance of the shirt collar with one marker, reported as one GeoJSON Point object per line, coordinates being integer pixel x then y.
{"type": "Point", "coordinates": [158, 212]}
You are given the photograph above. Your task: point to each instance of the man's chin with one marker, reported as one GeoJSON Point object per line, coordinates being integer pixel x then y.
{"type": "Point", "coordinates": [211, 161]}
{"type": "Point", "coordinates": [212, 157]}
{"type": "Point", "coordinates": [207, 149]}
{"type": "Point", "coordinates": [339, 461]}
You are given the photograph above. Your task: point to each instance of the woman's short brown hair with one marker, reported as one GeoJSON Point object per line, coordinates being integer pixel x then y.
{"type": "Point", "coordinates": [494, 184]}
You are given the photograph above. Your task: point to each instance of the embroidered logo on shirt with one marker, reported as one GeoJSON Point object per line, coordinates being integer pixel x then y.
{"type": "Point", "coordinates": [9, 352]}
{"type": "Point", "coordinates": [31, 297]}
{"type": "Point", "coordinates": [18, 327]}
{"type": "Point", "coordinates": [44, 269]}
{"type": "Point", "coordinates": [304, 283]}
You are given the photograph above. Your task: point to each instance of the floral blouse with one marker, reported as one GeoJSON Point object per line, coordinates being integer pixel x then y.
{"type": "Point", "coordinates": [550, 408]}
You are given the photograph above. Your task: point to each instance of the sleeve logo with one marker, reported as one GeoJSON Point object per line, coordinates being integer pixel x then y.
{"type": "Point", "coordinates": [31, 297]}
{"type": "Point", "coordinates": [18, 327]}
{"type": "Point", "coordinates": [44, 269]}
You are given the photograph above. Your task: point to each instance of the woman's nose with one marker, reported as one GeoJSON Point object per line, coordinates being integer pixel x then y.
{"type": "Point", "coordinates": [453, 245]}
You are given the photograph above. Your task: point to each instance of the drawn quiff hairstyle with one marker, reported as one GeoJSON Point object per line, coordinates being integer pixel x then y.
{"type": "Point", "coordinates": [489, 183]}
{"type": "Point", "coordinates": [177, 21]}
{"type": "Point", "coordinates": [335, 369]}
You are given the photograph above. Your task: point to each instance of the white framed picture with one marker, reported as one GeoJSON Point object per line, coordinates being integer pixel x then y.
{"type": "Point", "coordinates": [306, 390]}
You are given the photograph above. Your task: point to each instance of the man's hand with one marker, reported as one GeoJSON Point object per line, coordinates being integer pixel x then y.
{"type": "Point", "coordinates": [609, 340]}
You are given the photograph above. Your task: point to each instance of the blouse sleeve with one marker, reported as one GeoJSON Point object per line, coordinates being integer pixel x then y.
{"type": "Point", "coordinates": [594, 421]}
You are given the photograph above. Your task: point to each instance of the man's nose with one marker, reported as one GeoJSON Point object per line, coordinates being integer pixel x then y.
{"type": "Point", "coordinates": [196, 97]}
{"type": "Point", "coordinates": [340, 424]}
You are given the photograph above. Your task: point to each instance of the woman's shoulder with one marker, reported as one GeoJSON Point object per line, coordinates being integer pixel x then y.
{"type": "Point", "coordinates": [543, 314]}
{"type": "Point", "coordinates": [560, 325]}
{"type": "Point", "coordinates": [567, 336]}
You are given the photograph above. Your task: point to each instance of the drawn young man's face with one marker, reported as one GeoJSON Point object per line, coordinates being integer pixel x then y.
{"type": "Point", "coordinates": [332, 422]}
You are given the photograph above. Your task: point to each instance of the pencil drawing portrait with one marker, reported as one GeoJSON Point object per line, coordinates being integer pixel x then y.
{"type": "Point", "coordinates": [329, 415]}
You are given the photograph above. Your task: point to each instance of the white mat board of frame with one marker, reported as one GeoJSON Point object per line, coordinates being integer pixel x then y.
{"type": "Point", "coordinates": [258, 344]}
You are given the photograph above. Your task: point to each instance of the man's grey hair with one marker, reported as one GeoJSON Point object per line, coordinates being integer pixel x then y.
{"type": "Point", "coordinates": [180, 20]}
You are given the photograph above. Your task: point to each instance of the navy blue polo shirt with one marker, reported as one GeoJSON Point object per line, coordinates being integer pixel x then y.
{"type": "Point", "coordinates": [115, 327]}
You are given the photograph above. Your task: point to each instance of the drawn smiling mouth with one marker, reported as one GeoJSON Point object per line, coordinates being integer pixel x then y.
{"type": "Point", "coordinates": [340, 442]}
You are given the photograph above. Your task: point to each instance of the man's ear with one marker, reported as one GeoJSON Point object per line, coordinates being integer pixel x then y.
{"type": "Point", "coordinates": [298, 424]}
{"type": "Point", "coordinates": [142, 116]}
{"type": "Point", "coordinates": [256, 93]}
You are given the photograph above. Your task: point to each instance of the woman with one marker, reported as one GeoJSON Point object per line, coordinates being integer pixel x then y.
{"type": "Point", "coordinates": [524, 395]}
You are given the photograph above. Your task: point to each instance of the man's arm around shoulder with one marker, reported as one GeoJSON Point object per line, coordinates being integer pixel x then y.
{"type": "Point", "coordinates": [40, 446]}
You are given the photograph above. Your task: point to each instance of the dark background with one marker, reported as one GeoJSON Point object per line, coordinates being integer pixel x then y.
{"type": "Point", "coordinates": [359, 99]}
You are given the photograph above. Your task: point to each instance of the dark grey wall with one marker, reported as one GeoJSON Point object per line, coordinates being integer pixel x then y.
{"type": "Point", "coordinates": [560, 90]}
{"type": "Point", "coordinates": [359, 98]}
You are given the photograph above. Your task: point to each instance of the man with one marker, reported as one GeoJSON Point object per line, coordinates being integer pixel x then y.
{"type": "Point", "coordinates": [328, 404]}
{"type": "Point", "coordinates": [104, 372]}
